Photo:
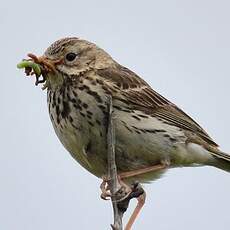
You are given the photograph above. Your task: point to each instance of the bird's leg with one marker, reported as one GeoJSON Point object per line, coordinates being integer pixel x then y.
{"type": "Point", "coordinates": [137, 172]}
{"type": "Point", "coordinates": [137, 191]}
{"type": "Point", "coordinates": [104, 185]}
{"type": "Point", "coordinates": [124, 197]}
{"type": "Point", "coordinates": [140, 203]}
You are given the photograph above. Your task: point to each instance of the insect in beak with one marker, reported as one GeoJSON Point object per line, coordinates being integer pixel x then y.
{"type": "Point", "coordinates": [39, 66]}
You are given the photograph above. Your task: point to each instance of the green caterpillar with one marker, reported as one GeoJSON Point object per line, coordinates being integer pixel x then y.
{"type": "Point", "coordinates": [28, 64]}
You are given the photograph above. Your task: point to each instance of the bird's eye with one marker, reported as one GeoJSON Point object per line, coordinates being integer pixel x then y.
{"type": "Point", "coordinates": [70, 56]}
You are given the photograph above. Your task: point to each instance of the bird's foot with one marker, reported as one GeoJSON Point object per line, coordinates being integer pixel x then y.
{"type": "Point", "coordinates": [105, 192]}
{"type": "Point", "coordinates": [135, 191]}
{"type": "Point", "coordinates": [123, 197]}
{"type": "Point", "coordinates": [138, 193]}
{"type": "Point", "coordinates": [120, 195]}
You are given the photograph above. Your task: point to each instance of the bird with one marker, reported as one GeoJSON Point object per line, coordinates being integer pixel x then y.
{"type": "Point", "coordinates": [152, 134]}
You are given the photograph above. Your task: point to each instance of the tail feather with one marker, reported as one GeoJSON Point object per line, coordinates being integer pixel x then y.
{"type": "Point", "coordinates": [222, 160]}
{"type": "Point", "coordinates": [221, 155]}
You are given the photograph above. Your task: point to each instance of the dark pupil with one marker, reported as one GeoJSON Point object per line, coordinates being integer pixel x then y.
{"type": "Point", "coordinates": [70, 56]}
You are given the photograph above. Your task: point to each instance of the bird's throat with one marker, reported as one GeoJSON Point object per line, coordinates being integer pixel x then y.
{"type": "Point", "coordinates": [54, 80]}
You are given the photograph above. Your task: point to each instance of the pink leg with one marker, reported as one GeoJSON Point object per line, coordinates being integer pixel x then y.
{"type": "Point", "coordinates": [137, 172]}
{"type": "Point", "coordinates": [142, 197]}
{"type": "Point", "coordinates": [140, 204]}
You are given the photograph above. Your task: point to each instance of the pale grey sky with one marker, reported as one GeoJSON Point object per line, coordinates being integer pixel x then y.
{"type": "Point", "coordinates": [180, 47]}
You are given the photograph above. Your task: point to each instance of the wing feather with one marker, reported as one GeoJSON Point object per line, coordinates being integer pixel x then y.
{"type": "Point", "coordinates": [138, 94]}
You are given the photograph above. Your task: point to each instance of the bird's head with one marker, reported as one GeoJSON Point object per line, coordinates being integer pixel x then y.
{"type": "Point", "coordinates": [71, 57]}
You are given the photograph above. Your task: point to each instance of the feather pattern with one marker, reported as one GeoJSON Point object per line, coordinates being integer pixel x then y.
{"type": "Point", "coordinates": [140, 96]}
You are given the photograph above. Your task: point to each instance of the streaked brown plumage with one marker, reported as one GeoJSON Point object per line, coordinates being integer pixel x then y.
{"type": "Point", "coordinates": [144, 98]}
{"type": "Point", "coordinates": [149, 128]}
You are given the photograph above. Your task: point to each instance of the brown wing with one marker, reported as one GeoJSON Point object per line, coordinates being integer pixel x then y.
{"type": "Point", "coordinates": [138, 94]}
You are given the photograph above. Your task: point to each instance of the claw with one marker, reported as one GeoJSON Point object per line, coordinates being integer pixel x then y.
{"type": "Point", "coordinates": [105, 193]}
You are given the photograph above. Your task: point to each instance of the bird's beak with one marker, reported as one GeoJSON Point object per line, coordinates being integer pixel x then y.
{"type": "Point", "coordinates": [49, 65]}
